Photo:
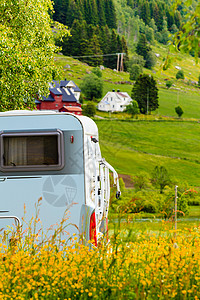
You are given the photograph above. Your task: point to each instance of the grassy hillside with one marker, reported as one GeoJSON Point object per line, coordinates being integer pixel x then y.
{"type": "Point", "coordinates": [141, 145]}
{"type": "Point", "coordinates": [183, 92]}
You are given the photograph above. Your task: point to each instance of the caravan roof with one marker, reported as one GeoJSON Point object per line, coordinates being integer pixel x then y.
{"type": "Point", "coordinates": [89, 126]}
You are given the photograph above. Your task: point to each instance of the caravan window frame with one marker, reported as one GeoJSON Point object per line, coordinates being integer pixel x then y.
{"type": "Point", "coordinates": [40, 167]}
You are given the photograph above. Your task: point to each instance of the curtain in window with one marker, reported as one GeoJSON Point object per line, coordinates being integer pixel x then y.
{"type": "Point", "coordinates": [15, 151]}
{"type": "Point", "coordinates": [30, 150]}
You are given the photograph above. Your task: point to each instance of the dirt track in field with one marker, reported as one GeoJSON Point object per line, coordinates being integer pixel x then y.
{"type": "Point", "coordinates": [127, 180]}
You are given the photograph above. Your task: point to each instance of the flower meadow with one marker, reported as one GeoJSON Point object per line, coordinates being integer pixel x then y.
{"type": "Point", "coordinates": [139, 266]}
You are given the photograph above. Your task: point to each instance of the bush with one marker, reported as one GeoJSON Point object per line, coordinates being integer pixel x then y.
{"type": "Point", "coordinates": [97, 71]}
{"type": "Point", "coordinates": [89, 109]}
{"type": "Point", "coordinates": [192, 197]}
{"type": "Point", "coordinates": [180, 74]}
{"type": "Point", "coordinates": [169, 203]}
{"type": "Point", "coordinates": [179, 111]}
{"type": "Point", "coordinates": [141, 180]}
{"type": "Point", "coordinates": [169, 84]}
{"type": "Point", "coordinates": [135, 71]}
{"type": "Point", "coordinates": [92, 86]}
{"type": "Point", "coordinates": [150, 60]}
{"type": "Point", "coordinates": [160, 178]}
{"type": "Point", "coordinates": [136, 65]}
{"type": "Point", "coordinates": [149, 201]}
{"type": "Point", "coordinates": [133, 108]}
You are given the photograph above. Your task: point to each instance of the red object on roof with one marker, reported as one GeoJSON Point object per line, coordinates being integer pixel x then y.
{"type": "Point", "coordinates": [72, 109]}
{"type": "Point", "coordinates": [122, 95]}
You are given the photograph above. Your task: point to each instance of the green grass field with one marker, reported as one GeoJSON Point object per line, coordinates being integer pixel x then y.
{"type": "Point", "coordinates": [189, 102]}
{"type": "Point", "coordinates": [141, 145]}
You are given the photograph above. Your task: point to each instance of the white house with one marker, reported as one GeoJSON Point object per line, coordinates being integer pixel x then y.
{"type": "Point", "coordinates": [114, 101]}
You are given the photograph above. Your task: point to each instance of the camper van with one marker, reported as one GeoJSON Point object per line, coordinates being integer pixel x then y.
{"type": "Point", "coordinates": [54, 157]}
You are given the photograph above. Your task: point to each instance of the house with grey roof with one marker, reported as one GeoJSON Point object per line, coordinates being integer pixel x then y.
{"type": "Point", "coordinates": [62, 95]}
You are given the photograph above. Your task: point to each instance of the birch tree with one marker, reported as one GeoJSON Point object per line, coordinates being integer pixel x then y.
{"type": "Point", "coordinates": [26, 52]}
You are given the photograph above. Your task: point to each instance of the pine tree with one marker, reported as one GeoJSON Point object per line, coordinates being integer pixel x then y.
{"type": "Point", "coordinates": [57, 8]}
{"type": "Point", "coordinates": [84, 49]}
{"type": "Point", "coordinates": [90, 11]}
{"type": "Point", "coordinates": [170, 20]}
{"type": "Point", "coordinates": [110, 14]}
{"type": "Point", "coordinates": [158, 17]}
{"type": "Point", "coordinates": [143, 47]}
{"type": "Point", "coordinates": [125, 50]}
{"type": "Point", "coordinates": [105, 44]}
{"type": "Point", "coordinates": [161, 16]}
{"type": "Point", "coordinates": [165, 33]}
{"type": "Point", "coordinates": [145, 92]}
{"type": "Point", "coordinates": [94, 12]}
{"type": "Point", "coordinates": [71, 45]}
{"type": "Point", "coordinates": [74, 12]}
{"type": "Point", "coordinates": [62, 15]}
{"type": "Point", "coordinates": [101, 13]}
{"type": "Point", "coordinates": [94, 49]}
{"type": "Point", "coordinates": [105, 39]}
{"type": "Point", "coordinates": [145, 12]}
{"type": "Point", "coordinates": [113, 50]}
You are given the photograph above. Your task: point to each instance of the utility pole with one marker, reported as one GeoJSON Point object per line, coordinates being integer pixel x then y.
{"type": "Point", "coordinates": [120, 66]}
{"type": "Point", "coordinates": [118, 54]}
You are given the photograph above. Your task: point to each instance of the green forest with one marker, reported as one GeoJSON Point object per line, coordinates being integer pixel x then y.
{"type": "Point", "coordinates": [92, 31]}
{"type": "Point", "coordinates": [100, 29]}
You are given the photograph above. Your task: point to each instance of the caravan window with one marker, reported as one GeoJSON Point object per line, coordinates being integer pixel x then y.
{"type": "Point", "coordinates": [32, 151]}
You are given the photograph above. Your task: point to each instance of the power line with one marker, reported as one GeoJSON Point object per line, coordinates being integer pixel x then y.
{"type": "Point", "coordinates": [120, 66]}
{"type": "Point", "coordinates": [97, 55]}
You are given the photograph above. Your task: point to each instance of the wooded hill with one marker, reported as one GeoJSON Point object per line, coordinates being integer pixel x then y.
{"type": "Point", "coordinates": [103, 27]}
{"type": "Point", "coordinates": [93, 26]}
{"type": "Point", "coordinates": [95, 12]}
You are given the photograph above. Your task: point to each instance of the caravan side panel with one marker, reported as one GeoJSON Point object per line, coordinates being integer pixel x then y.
{"type": "Point", "coordinates": [62, 189]}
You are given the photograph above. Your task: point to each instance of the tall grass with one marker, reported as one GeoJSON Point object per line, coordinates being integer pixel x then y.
{"type": "Point", "coordinates": [130, 266]}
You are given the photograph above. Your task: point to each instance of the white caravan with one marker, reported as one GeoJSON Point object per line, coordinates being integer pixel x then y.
{"type": "Point", "coordinates": [56, 157]}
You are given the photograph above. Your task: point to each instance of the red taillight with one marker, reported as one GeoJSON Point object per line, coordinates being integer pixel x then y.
{"type": "Point", "coordinates": [72, 139]}
{"type": "Point", "coordinates": [93, 231]}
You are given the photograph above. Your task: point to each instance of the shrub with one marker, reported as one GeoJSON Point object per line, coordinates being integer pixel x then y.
{"type": "Point", "coordinates": [135, 71]}
{"type": "Point", "coordinates": [92, 86]}
{"type": "Point", "coordinates": [169, 84]}
{"type": "Point", "coordinates": [180, 74]}
{"type": "Point", "coordinates": [179, 111]}
{"type": "Point", "coordinates": [89, 109]}
{"type": "Point", "coordinates": [169, 203]}
{"type": "Point", "coordinates": [97, 71]}
{"type": "Point", "coordinates": [141, 180]}
{"type": "Point", "coordinates": [149, 201]}
{"type": "Point", "coordinates": [133, 108]}
{"type": "Point", "coordinates": [150, 60]}
{"type": "Point", "coordinates": [160, 178]}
